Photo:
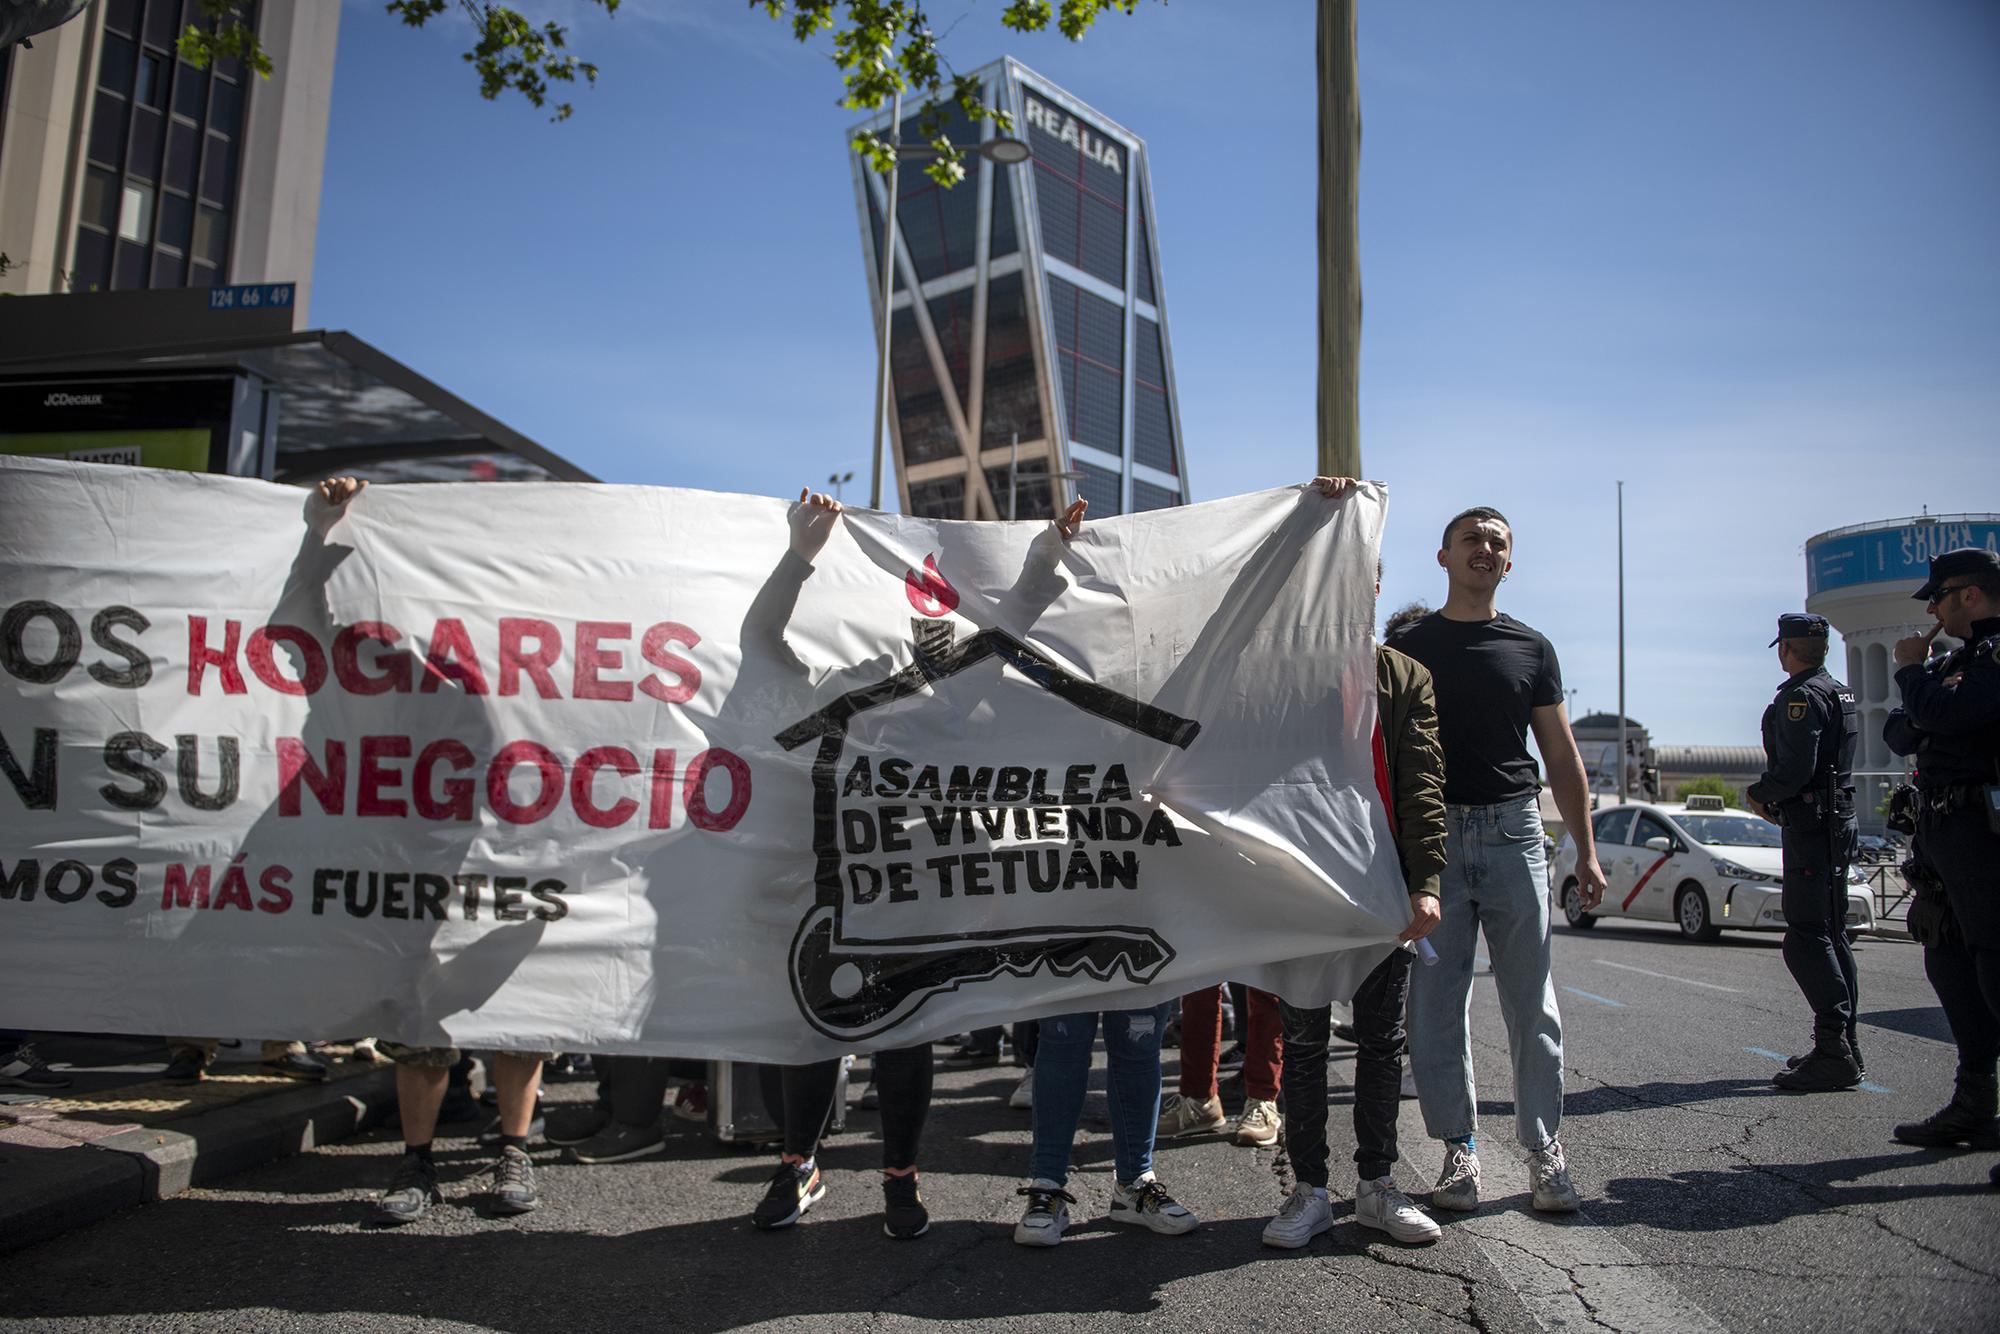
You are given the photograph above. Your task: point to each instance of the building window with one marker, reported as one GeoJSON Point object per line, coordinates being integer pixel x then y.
{"type": "Point", "coordinates": [1004, 240]}
{"type": "Point", "coordinates": [161, 131]}
{"type": "Point", "coordinates": [1099, 486]}
{"type": "Point", "coordinates": [1152, 413]}
{"type": "Point", "coordinates": [1012, 404]}
{"type": "Point", "coordinates": [942, 498]}
{"type": "Point", "coordinates": [922, 424]}
{"type": "Point", "coordinates": [951, 321]}
{"type": "Point", "coordinates": [1031, 489]}
{"type": "Point", "coordinates": [1146, 496]}
{"type": "Point", "coordinates": [1080, 183]}
{"type": "Point", "coordinates": [135, 213]}
{"type": "Point", "coordinates": [1090, 352]}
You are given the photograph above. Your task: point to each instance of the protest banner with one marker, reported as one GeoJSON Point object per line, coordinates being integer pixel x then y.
{"type": "Point", "coordinates": [639, 769]}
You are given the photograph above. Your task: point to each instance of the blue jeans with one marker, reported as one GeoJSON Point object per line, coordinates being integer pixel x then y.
{"type": "Point", "coordinates": [1495, 878]}
{"type": "Point", "coordinates": [1131, 1084]}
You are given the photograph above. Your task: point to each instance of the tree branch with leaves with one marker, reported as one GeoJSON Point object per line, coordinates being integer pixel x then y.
{"type": "Point", "coordinates": [881, 47]}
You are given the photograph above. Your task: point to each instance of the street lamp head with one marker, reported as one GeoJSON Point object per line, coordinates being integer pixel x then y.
{"type": "Point", "coordinates": [1002, 150]}
{"type": "Point", "coordinates": [1005, 150]}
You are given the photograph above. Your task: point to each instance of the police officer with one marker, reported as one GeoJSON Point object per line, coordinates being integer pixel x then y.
{"type": "Point", "coordinates": [1810, 732]}
{"type": "Point", "coordinates": [1950, 721]}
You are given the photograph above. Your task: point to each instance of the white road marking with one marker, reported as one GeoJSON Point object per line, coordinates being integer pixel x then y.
{"type": "Point", "coordinates": [1671, 977]}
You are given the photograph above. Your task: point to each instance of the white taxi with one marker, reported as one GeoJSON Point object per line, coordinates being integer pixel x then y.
{"type": "Point", "coordinates": [1699, 865]}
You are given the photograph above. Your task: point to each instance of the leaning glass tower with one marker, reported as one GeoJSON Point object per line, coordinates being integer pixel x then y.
{"type": "Point", "coordinates": [1039, 346]}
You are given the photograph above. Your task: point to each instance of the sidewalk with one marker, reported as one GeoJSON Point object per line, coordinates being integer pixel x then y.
{"type": "Point", "coordinates": [119, 1136]}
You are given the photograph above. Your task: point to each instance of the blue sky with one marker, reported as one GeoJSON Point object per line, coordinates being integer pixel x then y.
{"type": "Point", "coordinates": [1741, 256]}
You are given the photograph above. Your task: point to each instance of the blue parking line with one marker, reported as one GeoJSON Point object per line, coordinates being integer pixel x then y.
{"type": "Point", "coordinates": [1601, 1000]}
{"type": "Point", "coordinates": [1866, 1085]}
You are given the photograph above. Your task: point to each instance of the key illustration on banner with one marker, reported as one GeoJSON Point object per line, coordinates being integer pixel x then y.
{"type": "Point", "coordinates": [852, 986]}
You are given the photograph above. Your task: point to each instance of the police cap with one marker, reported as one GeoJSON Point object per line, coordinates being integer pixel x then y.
{"type": "Point", "coordinates": [1952, 564]}
{"type": "Point", "coordinates": [1800, 625]}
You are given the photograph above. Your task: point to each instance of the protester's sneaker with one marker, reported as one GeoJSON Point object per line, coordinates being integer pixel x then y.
{"type": "Point", "coordinates": [297, 1065]}
{"type": "Point", "coordinates": [1458, 1185]}
{"type": "Point", "coordinates": [412, 1190]}
{"type": "Point", "coordinates": [1146, 1203]}
{"type": "Point", "coordinates": [1022, 1099]}
{"type": "Point", "coordinates": [1344, 1032]}
{"type": "Point", "coordinates": [574, 1123]}
{"type": "Point", "coordinates": [514, 1182]}
{"type": "Point", "coordinates": [367, 1053]}
{"type": "Point", "coordinates": [1046, 1216]}
{"type": "Point", "coordinates": [1378, 1204]}
{"type": "Point", "coordinates": [795, 1188]}
{"type": "Point", "coordinates": [1181, 1116]}
{"type": "Point", "coordinates": [1305, 1214]}
{"type": "Point", "coordinates": [1549, 1171]}
{"type": "Point", "coordinates": [185, 1065]}
{"type": "Point", "coordinates": [27, 1070]}
{"type": "Point", "coordinates": [1259, 1125]}
{"type": "Point", "coordinates": [691, 1102]}
{"type": "Point", "coordinates": [903, 1212]}
{"type": "Point", "coordinates": [619, 1143]}
{"type": "Point", "coordinates": [490, 1134]}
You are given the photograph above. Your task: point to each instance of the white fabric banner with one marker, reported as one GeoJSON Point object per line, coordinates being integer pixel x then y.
{"type": "Point", "coordinates": [615, 769]}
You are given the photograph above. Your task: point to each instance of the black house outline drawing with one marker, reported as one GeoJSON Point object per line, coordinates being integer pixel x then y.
{"type": "Point", "coordinates": [898, 976]}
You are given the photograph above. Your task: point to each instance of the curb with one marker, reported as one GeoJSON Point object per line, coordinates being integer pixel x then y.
{"type": "Point", "coordinates": [53, 1191]}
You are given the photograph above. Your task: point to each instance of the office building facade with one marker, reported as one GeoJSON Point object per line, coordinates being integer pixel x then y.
{"type": "Point", "coordinates": [124, 167]}
{"type": "Point", "coordinates": [1039, 345]}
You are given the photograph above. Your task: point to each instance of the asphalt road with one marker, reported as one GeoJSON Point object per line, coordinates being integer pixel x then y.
{"type": "Point", "coordinates": [1712, 1202]}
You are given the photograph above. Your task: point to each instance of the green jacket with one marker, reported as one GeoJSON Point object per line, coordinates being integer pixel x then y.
{"type": "Point", "coordinates": [1415, 760]}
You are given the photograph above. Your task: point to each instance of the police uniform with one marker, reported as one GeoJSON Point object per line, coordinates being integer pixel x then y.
{"type": "Point", "coordinates": [1949, 721]}
{"type": "Point", "coordinates": [1810, 732]}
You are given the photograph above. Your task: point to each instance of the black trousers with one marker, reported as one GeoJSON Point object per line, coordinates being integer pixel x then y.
{"type": "Point", "coordinates": [1966, 975]}
{"type": "Point", "coordinates": [1816, 948]}
{"type": "Point", "coordinates": [800, 1099]}
{"type": "Point", "coordinates": [632, 1087]}
{"type": "Point", "coordinates": [1379, 1008]}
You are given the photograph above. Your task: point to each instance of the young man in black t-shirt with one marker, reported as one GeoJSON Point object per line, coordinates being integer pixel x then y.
{"type": "Point", "coordinates": [1495, 679]}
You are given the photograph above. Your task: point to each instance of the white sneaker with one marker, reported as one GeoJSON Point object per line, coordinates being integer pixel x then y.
{"type": "Point", "coordinates": [1047, 1214]}
{"type": "Point", "coordinates": [1549, 1171]}
{"type": "Point", "coordinates": [1260, 1123]}
{"type": "Point", "coordinates": [1458, 1185]}
{"type": "Point", "coordinates": [1306, 1213]}
{"type": "Point", "coordinates": [1181, 1116]}
{"type": "Point", "coordinates": [1146, 1203]}
{"type": "Point", "coordinates": [1378, 1204]}
{"type": "Point", "coordinates": [1022, 1099]}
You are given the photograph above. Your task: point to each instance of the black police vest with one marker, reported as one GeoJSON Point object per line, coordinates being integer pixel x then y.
{"type": "Point", "coordinates": [1968, 758]}
{"type": "Point", "coordinates": [1835, 778]}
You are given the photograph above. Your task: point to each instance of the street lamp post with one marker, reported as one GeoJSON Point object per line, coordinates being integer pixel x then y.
{"type": "Point", "coordinates": [839, 480]}
{"type": "Point", "coordinates": [1001, 150]}
{"type": "Point", "coordinates": [1620, 761]}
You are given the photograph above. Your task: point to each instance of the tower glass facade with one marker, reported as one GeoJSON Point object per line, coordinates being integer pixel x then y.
{"type": "Point", "coordinates": [161, 157]}
{"type": "Point", "coordinates": [1036, 341]}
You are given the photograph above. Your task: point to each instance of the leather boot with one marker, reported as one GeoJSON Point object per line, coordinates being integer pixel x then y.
{"type": "Point", "coordinates": [1853, 1049]}
{"type": "Point", "coordinates": [1968, 1120]}
{"type": "Point", "coordinates": [1827, 1068]}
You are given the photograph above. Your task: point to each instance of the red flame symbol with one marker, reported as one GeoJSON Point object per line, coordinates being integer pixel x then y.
{"type": "Point", "coordinates": [930, 592]}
